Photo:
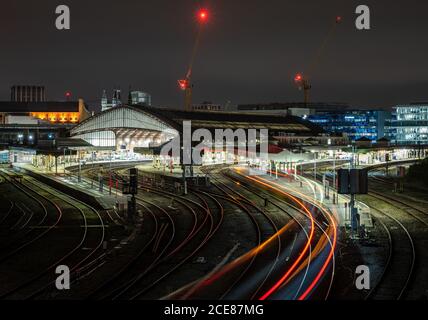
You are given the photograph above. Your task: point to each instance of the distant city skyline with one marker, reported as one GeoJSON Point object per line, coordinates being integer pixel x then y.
{"type": "Point", "coordinates": [249, 52]}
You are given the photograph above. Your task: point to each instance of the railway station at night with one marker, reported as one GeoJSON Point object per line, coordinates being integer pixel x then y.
{"type": "Point", "coordinates": [214, 159]}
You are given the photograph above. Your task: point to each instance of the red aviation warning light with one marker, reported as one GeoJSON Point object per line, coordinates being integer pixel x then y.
{"type": "Point", "coordinates": [298, 78]}
{"type": "Point", "coordinates": [339, 19]}
{"type": "Point", "coordinates": [68, 95]}
{"type": "Point", "coordinates": [183, 84]}
{"type": "Point", "coordinates": [203, 15]}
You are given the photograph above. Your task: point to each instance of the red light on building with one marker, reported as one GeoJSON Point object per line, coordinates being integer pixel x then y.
{"type": "Point", "coordinates": [203, 15]}
{"type": "Point", "coordinates": [183, 84]}
{"type": "Point", "coordinates": [68, 95]}
{"type": "Point", "coordinates": [338, 19]}
{"type": "Point", "coordinates": [298, 78]}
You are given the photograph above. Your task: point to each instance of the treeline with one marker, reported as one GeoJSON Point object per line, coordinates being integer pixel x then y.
{"type": "Point", "coordinates": [419, 172]}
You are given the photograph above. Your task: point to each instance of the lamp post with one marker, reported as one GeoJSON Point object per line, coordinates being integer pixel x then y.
{"type": "Point", "coordinates": [79, 177]}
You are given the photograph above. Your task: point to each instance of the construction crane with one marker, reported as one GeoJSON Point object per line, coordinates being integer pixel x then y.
{"type": "Point", "coordinates": [303, 84]}
{"type": "Point", "coordinates": [186, 84]}
{"type": "Point", "coordinates": [302, 80]}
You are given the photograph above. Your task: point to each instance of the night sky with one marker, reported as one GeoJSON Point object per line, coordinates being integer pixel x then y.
{"type": "Point", "coordinates": [250, 50]}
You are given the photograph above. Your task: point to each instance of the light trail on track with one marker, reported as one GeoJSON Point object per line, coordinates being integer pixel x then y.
{"type": "Point", "coordinates": [333, 243]}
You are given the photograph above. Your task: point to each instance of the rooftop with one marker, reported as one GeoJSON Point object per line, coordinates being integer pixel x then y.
{"type": "Point", "coordinates": [48, 106]}
{"type": "Point", "coordinates": [225, 120]}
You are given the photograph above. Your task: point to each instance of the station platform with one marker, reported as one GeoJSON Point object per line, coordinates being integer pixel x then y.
{"type": "Point", "coordinates": [314, 190]}
{"type": "Point", "coordinates": [172, 176]}
{"type": "Point", "coordinates": [85, 190]}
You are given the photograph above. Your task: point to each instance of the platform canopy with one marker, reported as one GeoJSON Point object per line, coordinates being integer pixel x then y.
{"type": "Point", "coordinates": [138, 126]}
{"type": "Point", "coordinates": [123, 126]}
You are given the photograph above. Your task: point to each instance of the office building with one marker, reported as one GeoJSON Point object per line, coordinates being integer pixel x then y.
{"type": "Point", "coordinates": [356, 124]}
{"type": "Point", "coordinates": [139, 98]}
{"type": "Point", "coordinates": [28, 94]}
{"type": "Point", "coordinates": [409, 124]}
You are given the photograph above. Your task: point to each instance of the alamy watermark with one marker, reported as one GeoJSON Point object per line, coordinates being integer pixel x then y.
{"type": "Point", "coordinates": [251, 144]}
{"type": "Point", "coordinates": [63, 280]}
{"type": "Point", "coordinates": [363, 278]}
{"type": "Point", "coordinates": [363, 19]}
{"type": "Point", "coordinates": [63, 19]}
{"type": "Point", "coordinates": [62, 22]}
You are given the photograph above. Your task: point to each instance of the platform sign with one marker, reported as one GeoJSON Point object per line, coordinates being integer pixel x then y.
{"type": "Point", "coordinates": [353, 182]}
{"type": "Point", "coordinates": [188, 171]}
{"type": "Point", "coordinates": [4, 157]}
{"type": "Point", "coordinates": [343, 178]}
{"type": "Point", "coordinates": [359, 181]}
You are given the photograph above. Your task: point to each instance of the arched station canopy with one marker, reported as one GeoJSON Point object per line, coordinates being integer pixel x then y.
{"type": "Point", "coordinates": [146, 125]}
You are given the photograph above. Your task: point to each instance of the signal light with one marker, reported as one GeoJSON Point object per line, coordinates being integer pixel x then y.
{"type": "Point", "coordinates": [338, 19]}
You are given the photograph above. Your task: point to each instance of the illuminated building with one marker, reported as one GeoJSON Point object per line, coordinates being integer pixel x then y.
{"type": "Point", "coordinates": [410, 124]}
{"type": "Point", "coordinates": [139, 98]}
{"type": "Point", "coordinates": [35, 123]}
{"type": "Point", "coordinates": [66, 112]}
{"type": "Point", "coordinates": [356, 124]}
{"type": "Point", "coordinates": [334, 118]}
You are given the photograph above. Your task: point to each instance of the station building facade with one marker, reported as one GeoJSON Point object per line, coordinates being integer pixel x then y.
{"type": "Point", "coordinates": [38, 123]}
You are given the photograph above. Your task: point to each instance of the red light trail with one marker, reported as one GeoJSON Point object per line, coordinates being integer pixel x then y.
{"type": "Point", "coordinates": [333, 246]}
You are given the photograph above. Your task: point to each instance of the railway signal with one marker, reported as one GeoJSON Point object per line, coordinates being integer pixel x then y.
{"type": "Point", "coordinates": [131, 188]}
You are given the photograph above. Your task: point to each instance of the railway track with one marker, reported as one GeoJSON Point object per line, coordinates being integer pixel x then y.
{"type": "Point", "coordinates": [286, 205]}
{"type": "Point", "coordinates": [70, 254]}
{"type": "Point", "coordinates": [394, 281]}
{"type": "Point", "coordinates": [397, 249]}
{"type": "Point", "coordinates": [264, 283]}
{"type": "Point", "coordinates": [399, 270]}
{"type": "Point", "coordinates": [265, 228]}
{"type": "Point", "coordinates": [263, 224]}
{"type": "Point", "coordinates": [19, 223]}
{"type": "Point", "coordinates": [203, 228]}
{"type": "Point", "coordinates": [322, 223]}
{"type": "Point", "coordinates": [8, 212]}
{"type": "Point", "coordinates": [211, 227]}
{"type": "Point", "coordinates": [129, 276]}
{"type": "Point", "coordinates": [216, 200]}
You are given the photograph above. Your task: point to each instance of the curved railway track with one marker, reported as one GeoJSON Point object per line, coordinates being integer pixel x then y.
{"type": "Point", "coordinates": [284, 205]}
{"type": "Point", "coordinates": [393, 282]}
{"type": "Point", "coordinates": [243, 199]}
{"type": "Point", "coordinates": [74, 257]}
{"type": "Point", "coordinates": [202, 229]}
{"type": "Point", "coordinates": [259, 218]}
